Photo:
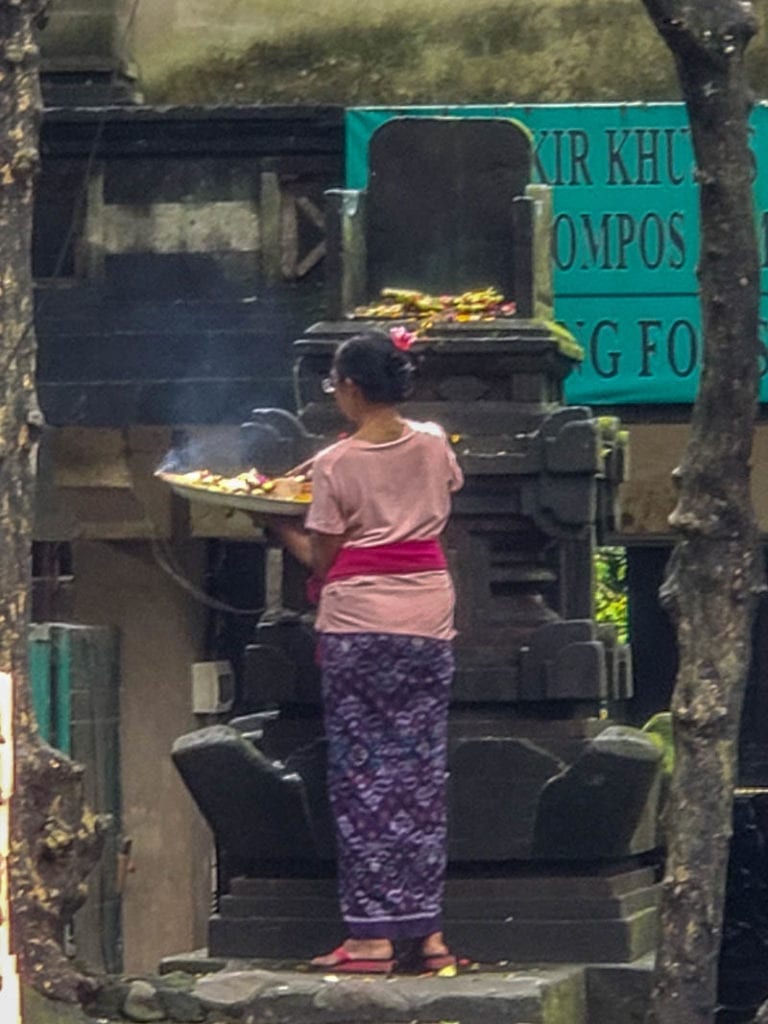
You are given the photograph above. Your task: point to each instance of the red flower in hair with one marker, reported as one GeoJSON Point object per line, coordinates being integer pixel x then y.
{"type": "Point", "coordinates": [402, 338]}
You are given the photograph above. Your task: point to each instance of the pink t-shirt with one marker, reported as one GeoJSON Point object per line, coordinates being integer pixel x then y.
{"type": "Point", "coordinates": [381, 494]}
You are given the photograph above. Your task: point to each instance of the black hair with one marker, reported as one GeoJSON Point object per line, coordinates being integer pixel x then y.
{"type": "Point", "coordinates": [382, 372]}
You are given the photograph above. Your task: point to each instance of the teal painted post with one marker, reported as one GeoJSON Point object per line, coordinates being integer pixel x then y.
{"type": "Point", "coordinates": [40, 680]}
{"type": "Point", "coordinates": [62, 711]}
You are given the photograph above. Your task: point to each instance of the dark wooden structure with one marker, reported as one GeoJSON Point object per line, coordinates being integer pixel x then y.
{"type": "Point", "coordinates": [177, 254]}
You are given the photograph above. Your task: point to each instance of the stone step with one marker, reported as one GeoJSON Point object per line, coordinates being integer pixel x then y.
{"type": "Point", "coordinates": [311, 907]}
{"type": "Point", "coordinates": [619, 993]}
{"type": "Point", "coordinates": [521, 941]}
{"type": "Point", "coordinates": [561, 883]}
{"type": "Point", "coordinates": [552, 995]}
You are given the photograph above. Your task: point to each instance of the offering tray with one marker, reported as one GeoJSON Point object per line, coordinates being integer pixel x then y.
{"type": "Point", "coordinates": [261, 504]}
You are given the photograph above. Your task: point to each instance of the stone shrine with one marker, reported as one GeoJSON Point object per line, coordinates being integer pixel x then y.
{"type": "Point", "coordinates": [552, 803]}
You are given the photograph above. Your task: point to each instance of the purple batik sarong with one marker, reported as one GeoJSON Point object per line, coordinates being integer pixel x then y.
{"type": "Point", "coordinates": [386, 710]}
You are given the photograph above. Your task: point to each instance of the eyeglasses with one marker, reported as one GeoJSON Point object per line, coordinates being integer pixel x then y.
{"type": "Point", "coordinates": [329, 384]}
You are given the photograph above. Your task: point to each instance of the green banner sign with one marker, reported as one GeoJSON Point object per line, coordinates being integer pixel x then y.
{"type": "Point", "coordinates": [625, 241]}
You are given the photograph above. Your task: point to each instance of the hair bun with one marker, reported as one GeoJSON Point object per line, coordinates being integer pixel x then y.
{"type": "Point", "coordinates": [382, 371]}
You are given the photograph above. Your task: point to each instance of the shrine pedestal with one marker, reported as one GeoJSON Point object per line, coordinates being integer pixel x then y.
{"type": "Point", "coordinates": [525, 917]}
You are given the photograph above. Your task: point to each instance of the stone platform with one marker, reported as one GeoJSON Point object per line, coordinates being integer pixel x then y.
{"type": "Point", "coordinates": [196, 988]}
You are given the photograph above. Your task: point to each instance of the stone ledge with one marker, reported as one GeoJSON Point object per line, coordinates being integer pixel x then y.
{"type": "Point", "coordinates": [187, 991]}
{"type": "Point", "coordinates": [196, 989]}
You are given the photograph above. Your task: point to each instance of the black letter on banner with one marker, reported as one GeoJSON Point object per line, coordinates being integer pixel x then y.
{"type": "Point", "coordinates": [647, 345]}
{"type": "Point", "coordinates": [598, 241]}
{"type": "Point", "coordinates": [677, 239]}
{"type": "Point", "coordinates": [649, 156]}
{"type": "Point", "coordinates": [655, 221]}
{"type": "Point", "coordinates": [558, 134]}
{"type": "Point", "coordinates": [579, 154]}
{"type": "Point", "coordinates": [693, 348]}
{"type": "Point", "coordinates": [613, 357]}
{"type": "Point", "coordinates": [672, 135]}
{"type": "Point", "coordinates": [615, 159]}
{"type": "Point", "coordinates": [540, 172]}
{"type": "Point", "coordinates": [626, 235]}
{"type": "Point", "coordinates": [564, 264]}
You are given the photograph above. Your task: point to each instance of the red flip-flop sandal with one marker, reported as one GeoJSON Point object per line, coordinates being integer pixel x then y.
{"type": "Point", "coordinates": [345, 963]}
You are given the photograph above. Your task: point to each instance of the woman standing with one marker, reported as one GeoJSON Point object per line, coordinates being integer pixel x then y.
{"type": "Point", "coordinates": [381, 499]}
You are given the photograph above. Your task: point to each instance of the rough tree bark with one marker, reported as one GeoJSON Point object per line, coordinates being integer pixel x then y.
{"type": "Point", "coordinates": [55, 841]}
{"type": "Point", "coordinates": [714, 576]}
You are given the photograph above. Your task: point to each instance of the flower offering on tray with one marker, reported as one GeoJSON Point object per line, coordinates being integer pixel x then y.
{"type": "Point", "coordinates": [250, 491]}
{"type": "Point", "coordinates": [429, 310]}
{"type": "Point", "coordinates": [296, 488]}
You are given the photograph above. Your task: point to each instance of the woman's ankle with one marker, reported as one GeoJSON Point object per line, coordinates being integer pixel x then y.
{"type": "Point", "coordinates": [372, 947]}
{"type": "Point", "coordinates": [434, 945]}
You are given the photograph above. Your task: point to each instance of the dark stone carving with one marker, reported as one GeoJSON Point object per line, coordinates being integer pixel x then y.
{"type": "Point", "coordinates": [453, 227]}
{"type": "Point", "coordinates": [523, 768]}
{"type": "Point", "coordinates": [279, 438]}
{"type": "Point", "coordinates": [260, 813]}
{"type": "Point", "coordinates": [599, 806]}
{"type": "Point", "coordinates": [538, 775]}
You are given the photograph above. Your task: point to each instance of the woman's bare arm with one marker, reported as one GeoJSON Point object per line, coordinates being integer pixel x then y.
{"type": "Point", "coordinates": [324, 548]}
{"type": "Point", "coordinates": [294, 538]}
{"type": "Point", "coordinates": [315, 550]}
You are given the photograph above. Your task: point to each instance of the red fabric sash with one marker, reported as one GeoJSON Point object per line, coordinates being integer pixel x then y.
{"type": "Point", "coordinates": [388, 559]}
{"type": "Point", "coordinates": [406, 556]}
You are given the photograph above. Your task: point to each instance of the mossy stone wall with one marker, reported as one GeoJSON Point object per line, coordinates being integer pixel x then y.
{"type": "Point", "coordinates": [375, 51]}
{"type": "Point", "coordinates": [421, 51]}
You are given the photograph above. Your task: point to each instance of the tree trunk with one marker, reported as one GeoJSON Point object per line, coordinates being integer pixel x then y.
{"type": "Point", "coordinates": [714, 575]}
{"type": "Point", "coordinates": [54, 840]}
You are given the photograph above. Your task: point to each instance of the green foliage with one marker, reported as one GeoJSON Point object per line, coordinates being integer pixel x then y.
{"type": "Point", "coordinates": [659, 729]}
{"type": "Point", "coordinates": [611, 603]}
